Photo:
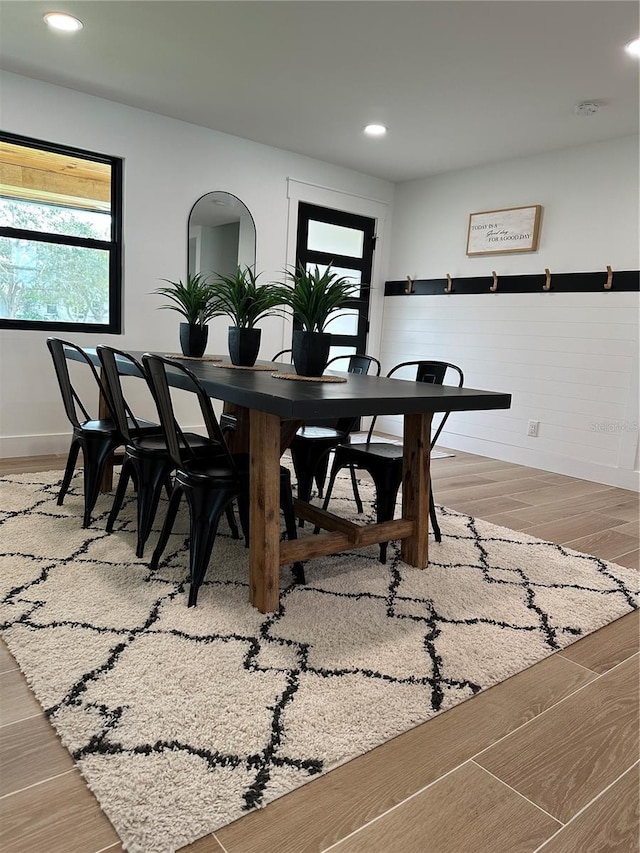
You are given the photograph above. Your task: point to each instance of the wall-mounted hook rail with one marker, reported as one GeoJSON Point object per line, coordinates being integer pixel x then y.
{"type": "Point", "coordinates": [626, 281]}
{"type": "Point", "coordinates": [609, 282]}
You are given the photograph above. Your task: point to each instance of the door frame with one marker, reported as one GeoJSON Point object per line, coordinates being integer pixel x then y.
{"type": "Point", "coordinates": [308, 257]}
{"type": "Point", "coordinates": [377, 209]}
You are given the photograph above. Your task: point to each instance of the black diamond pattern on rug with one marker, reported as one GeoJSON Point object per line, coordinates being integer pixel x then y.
{"type": "Point", "coordinates": [183, 719]}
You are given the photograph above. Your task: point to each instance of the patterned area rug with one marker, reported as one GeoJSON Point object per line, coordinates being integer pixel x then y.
{"type": "Point", "coordinates": [181, 720]}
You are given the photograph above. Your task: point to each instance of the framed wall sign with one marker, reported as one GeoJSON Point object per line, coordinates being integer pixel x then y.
{"type": "Point", "coordinates": [497, 232]}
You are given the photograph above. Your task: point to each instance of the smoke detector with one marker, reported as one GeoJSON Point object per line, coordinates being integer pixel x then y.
{"type": "Point", "coordinates": [586, 108]}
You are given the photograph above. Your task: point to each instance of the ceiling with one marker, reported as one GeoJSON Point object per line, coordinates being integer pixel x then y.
{"type": "Point", "coordinates": [459, 83]}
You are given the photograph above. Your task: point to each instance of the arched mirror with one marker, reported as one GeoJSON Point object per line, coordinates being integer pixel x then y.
{"type": "Point", "coordinates": [222, 235]}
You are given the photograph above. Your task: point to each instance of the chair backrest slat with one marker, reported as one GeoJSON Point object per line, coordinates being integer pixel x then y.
{"type": "Point", "coordinates": [356, 363]}
{"type": "Point", "coordinates": [433, 372]}
{"type": "Point", "coordinates": [59, 350]}
{"type": "Point", "coordinates": [122, 411]}
{"type": "Point", "coordinates": [157, 369]}
{"type": "Point", "coordinates": [287, 352]}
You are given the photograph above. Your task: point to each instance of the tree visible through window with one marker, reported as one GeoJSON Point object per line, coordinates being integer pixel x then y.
{"type": "Point", "coordinates": [60, 237]}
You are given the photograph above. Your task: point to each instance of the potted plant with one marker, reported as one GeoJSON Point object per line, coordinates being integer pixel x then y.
{"type": "Point", "coordinates": [241, 298]}
{"type": "Point", "coordinates": [192, 299]}
{"type": "Point", "coordinates": [315, 300]}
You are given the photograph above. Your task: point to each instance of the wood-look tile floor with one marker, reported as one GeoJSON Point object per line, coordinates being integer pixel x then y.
{"type": "Point", "coordinates": [545, 761]}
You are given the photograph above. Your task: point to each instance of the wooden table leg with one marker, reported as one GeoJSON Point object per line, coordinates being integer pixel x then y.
{"type": "Point", "coordinates": [264, 511]}
{"type": "Point", "coordinates": [415, 487]}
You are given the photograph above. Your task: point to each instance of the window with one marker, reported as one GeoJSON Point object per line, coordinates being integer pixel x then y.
{"type": "Point", "coordinates": [60, 237]}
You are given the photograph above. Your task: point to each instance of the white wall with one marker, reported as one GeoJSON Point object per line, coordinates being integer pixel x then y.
{"type": "Point", "coordinates": [167, 166]}
{"type": "Point", "coordinates": [569, 360]}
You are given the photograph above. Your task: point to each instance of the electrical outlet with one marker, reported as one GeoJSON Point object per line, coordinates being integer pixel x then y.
{"type": "Point", "coordinates": [532, 428]}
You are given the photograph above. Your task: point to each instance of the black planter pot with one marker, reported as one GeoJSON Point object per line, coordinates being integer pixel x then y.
{"type": "Point", "coordinates": [193, 339]}
{"type": "Point", "coordinates": [310, 352]}
{"type": "Point", "coordinates": [244, 345]}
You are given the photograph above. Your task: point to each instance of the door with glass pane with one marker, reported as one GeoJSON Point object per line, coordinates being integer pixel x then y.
{"type": "Point", "coordinates": [346, 242]}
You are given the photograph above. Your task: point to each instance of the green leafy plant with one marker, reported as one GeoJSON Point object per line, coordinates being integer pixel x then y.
{"type": "Point", "coordinates": [191, 298]}
{"type": "Point", "coordinates": [316, 297]}
{"type": "Point", "coordinates": [241, 298]}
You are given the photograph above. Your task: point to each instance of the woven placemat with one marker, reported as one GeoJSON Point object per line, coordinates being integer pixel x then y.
{"type": "Point", "coordinates": [192, 357]}
{"type": "Point", "coordinates": [243, 366]}
{"type": "Point", "coordinates": [296, 376]}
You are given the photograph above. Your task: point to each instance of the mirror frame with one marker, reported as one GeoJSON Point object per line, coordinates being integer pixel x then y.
{"type": "Point", "coordinates": [189, 226]}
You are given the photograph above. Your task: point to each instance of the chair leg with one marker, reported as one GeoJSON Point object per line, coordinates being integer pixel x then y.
{"type": "Point", "coordinates": [335, 468]}
{"type": "Point", "coordinates": [433, 517]}
{"type": "Point", "coordinates": [168, 485]}
{"type": "Point", "coordinates": [231, 521]}
{"type": "Point", "coordinates": [243, 513]}
{"type": "Point", "coordinates": [356, 491]}
{"type": "Point", "coordinates": [69, 469]}
{"type": "Point", "coordinates": [332, 478]}
{"type": "Point", "coordinates": [297, 570]}
{"type": "Point", "coordinates": [167, 527]}
{"type": "Point", "coordinates": [286, 505]}
{"type": "Point", "coordinates": [205, 509]}
{"type": "Point", "coordinates": [309, 463]}
{"type": "Point", "coordinates": [96, 453]}
{"type": "Point", "coordinates": [387, 484]}
{"type": "Point", "coordinates": [305, 480]}
{"type": "Point", "coordinates": [121, 490]}
{"type": "Point", "coordinates": [320, 472]}
{"type": "Point", "coordinates": [150, 475]}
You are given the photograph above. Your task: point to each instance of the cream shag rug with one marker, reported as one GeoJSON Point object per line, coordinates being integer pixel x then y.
{"type": "Point", "coordinates": [181, 720]}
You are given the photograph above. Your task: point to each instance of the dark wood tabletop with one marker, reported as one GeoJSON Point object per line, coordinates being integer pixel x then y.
{"type": "Point", "coordinates": [304, 400]}
{"type": "Point", "coordinates": [358, 396]}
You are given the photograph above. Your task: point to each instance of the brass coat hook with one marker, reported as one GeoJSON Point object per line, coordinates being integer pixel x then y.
{"type": "Point", "coordinates": [547, 282]}
{"type": "Point", "coordinates": [449, 287]}
{"type": "Point", "coordinates": [409, 289]}
{"type": "Point", "coordinates": [494, 286]}
{"type": "Point", "coordinates": [609, 282]}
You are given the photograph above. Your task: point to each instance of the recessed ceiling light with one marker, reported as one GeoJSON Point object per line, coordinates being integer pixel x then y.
{"type": "Point", "coordinates": [375, 130]}
{"type": "Point", "coordinates": [62, 21]}
{"type": "Point", "coordinates": [633, 47]}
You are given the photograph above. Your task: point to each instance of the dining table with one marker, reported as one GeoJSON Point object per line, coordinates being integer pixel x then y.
{"type": "Point", "coordinates": [270, 403]}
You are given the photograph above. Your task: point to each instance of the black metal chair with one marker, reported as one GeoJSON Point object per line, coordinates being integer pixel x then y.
{"type": "Point", "coordinates": [286, 352]}
{"type": "Point", "coordinates": [95, 435]}
{"type": "Point", "coordinates": [383, 460]}
{"type": "Point", "coordinates": [314, 441]}
{"type": "Point", "coordinates": [146, 457]}
{"type": "Point", "coordinates": [209, 481]}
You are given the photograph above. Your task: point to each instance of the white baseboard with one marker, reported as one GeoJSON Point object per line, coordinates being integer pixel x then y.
{"type": "Point", "coordinates": [43, 445]}
{"type": "Point", "coordinates": [582, 469]}
{"type": "Point", "coordinates": [34, 445]}
{"type": "Point", "coordinates": [579, 468]}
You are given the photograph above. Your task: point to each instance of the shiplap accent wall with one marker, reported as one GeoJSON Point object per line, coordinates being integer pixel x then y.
{"type": "Point", "coordinates": [570, 360]}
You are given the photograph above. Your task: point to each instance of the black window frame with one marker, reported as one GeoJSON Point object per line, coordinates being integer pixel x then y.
{"type": "Point", "coordinates": [112, 246]}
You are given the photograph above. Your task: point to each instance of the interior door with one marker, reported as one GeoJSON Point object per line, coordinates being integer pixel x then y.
{"type": "Point", "coordinates": [346, 242]}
